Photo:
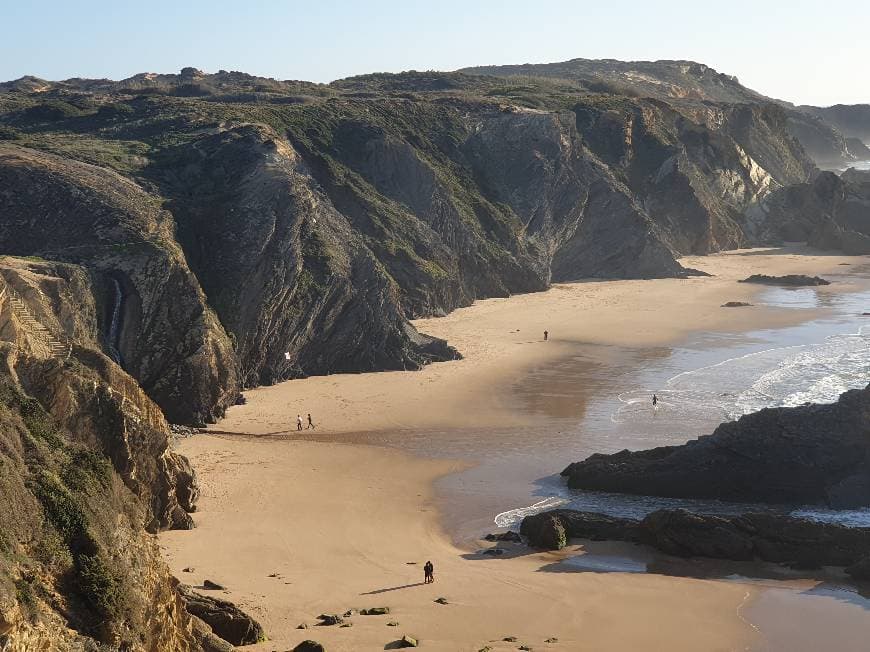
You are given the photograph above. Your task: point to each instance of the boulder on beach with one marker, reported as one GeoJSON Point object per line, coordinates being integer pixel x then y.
{"type": "Point", "coordinates": [330, 619]}
{"type": "Point", "coordinates": [793, 280]}
{"type": "Point", "coordinates": [375, 611]}
{"type": "Point", "coordinates": [224, 618]}
{"type": "Point", "coordinates": [213, 586]}
{"type": "Point", "coordinates": [736, 304]}
{"type": "Point", "coordinates": [309, 646]}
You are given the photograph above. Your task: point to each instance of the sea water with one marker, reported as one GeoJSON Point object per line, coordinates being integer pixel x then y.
{"type": "Point", "coordinates": [716, 378]}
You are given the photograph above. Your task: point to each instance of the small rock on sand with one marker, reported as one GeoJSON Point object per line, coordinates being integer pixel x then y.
{"type": "Point", "coordinates": [409, 641]}
{"type": "Point", "coordinates": [330, 619]}
{"type": "Point", "coordinates": [213, 586]}
{"type": "Point", "coordinates": [736, 304]}
{"type": "Point", "coordinates": [309, 646]}
{"type": "Point", "coordinates": [375, 611]}
{"type": "Point", "coordinates": [442, 601]}
{"type": "Point", "coordinates": [189, 569]}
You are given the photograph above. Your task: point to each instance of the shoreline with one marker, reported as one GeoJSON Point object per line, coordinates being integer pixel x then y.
{"type": "Point", "coordinates": [347, 511]}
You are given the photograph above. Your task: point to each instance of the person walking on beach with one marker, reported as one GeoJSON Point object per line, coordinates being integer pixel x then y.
{"type": "Point", "coordinates": [429, 573]}
{"type": "Point", "coordinates": [655, 402]}
{"type": "Point", "coordinates": [546, 335]}
{"type": "Point", "coordinates": [310, 422]}
{"type": "Point", "coordinates": [299, 422]}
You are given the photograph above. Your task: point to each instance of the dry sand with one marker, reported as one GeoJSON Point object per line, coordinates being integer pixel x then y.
{"type": "Point", "coordinates": [338, 524]}
{"type": "Point", "coordinates": [296, 528]}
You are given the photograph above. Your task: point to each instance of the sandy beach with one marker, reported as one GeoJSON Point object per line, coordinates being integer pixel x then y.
{"type": "Point", "coordinates": [295, 527]}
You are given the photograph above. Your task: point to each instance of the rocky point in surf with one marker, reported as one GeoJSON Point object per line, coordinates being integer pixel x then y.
{"type": "Point", "coordinates": [799, 543]}
{"type": "Point", "coordinates": [810, 454]}
{"type": "Point", "coordinates": [174, 239]}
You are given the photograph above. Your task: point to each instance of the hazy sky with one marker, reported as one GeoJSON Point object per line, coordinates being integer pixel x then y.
{"type": "Point", "coordinates": [803, 51]}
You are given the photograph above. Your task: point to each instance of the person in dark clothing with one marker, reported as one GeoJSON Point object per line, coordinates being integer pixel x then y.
{"type": "Point", "coordinates": [310, 423]}
{"type": "Point", "coordinates": [546, 335]}
{"type": "Point", "coordinates": [429, 573]}
{"type": "Point", "coordinates": [655, 401]}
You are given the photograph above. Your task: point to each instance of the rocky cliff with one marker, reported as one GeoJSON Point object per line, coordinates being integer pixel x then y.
{"type": "Point", "coordinates": [86, 473]}
{"type": "Point", "coordinates": [242, 231]}
{"type": "Point", "coordinates": [823, 133]}
{"type": "Point", "coordinates": [853, 121]}
{"type": "Point", "coordinates": [812, 454]}
{"type": "Point", "coordinates": [831, 212]}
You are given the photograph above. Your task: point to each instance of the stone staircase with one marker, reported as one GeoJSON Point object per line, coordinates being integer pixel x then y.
{"type": "Point", "coordinates": [54, 346]}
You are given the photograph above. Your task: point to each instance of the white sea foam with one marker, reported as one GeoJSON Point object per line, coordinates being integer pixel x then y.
{"type": "Point", "coordinates": [514, 516]}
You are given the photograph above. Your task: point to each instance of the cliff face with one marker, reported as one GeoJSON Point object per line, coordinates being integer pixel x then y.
{"type": "Point", "coordinates": [810, 454]}
{"type": "Point", "coordinates": [831, 212]}
{"type": "Point", "coordinates": [155, 316]}
{"type": "Point", "coordinates": [242, 231]}
{"type": "Point", "coordinates": [853, 121]}
{"type": "Point", "coordinates": [284, 270]}
{"type": "Point", "coordinates": [85, 471]}
{"type": "Point", "coordinates": [824, 134]}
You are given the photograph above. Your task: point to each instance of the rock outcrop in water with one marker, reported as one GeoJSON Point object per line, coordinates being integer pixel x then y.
{"type": "Point", "coordinates": [818, 454]}
{"type": "Point", "coordinates": [792, 280]}
{"type": "Point", "coordinates": [769, 537]}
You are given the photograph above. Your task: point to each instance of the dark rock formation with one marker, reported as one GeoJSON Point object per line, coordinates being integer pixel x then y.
{"type": "Point", "coordinates": [330, 619]}
{"type": "Point", "coordinates": [794, 280]}
{"type": "Point", "coordinates": [309, 646]}
{"type": "Point", "coordinates": [551, 530]}
{"type": "Point", "coordinates": [809, 454]}
{"type": "Point", "coordinates": [853, 121]}
{"type": "Point", "coordinates": [736, 304]}
{"type": "Point", "coordinates": [769, 537]}
{"type": "Point", "coordinates": [504, 536]}
{"type": "Point", "coordinates": [830, 212]}
{"type": "Point", "coordinates": [225, 619]}
{"type": "Point", "coordinates": [860, 570]}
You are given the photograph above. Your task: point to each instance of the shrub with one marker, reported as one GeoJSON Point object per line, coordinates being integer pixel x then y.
{"type": "Point", "coordinates": [9, 133]}
{"type": "Point", "coordinates": [115, 110]}
{"type": "Point", "coordinates": [52, 111]}
{"type": "Point", "coordinates": [100, 586]}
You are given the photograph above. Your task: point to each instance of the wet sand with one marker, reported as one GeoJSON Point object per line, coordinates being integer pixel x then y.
{"type": "Point", "coordinates": [337, 520]}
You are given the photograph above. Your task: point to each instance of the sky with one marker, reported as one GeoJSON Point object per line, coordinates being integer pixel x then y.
{"type": "Point", "coordinates": [807, 52]}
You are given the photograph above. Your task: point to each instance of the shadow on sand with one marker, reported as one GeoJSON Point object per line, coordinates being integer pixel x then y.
{"type": "Point", "coordinates": [393, 588]}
